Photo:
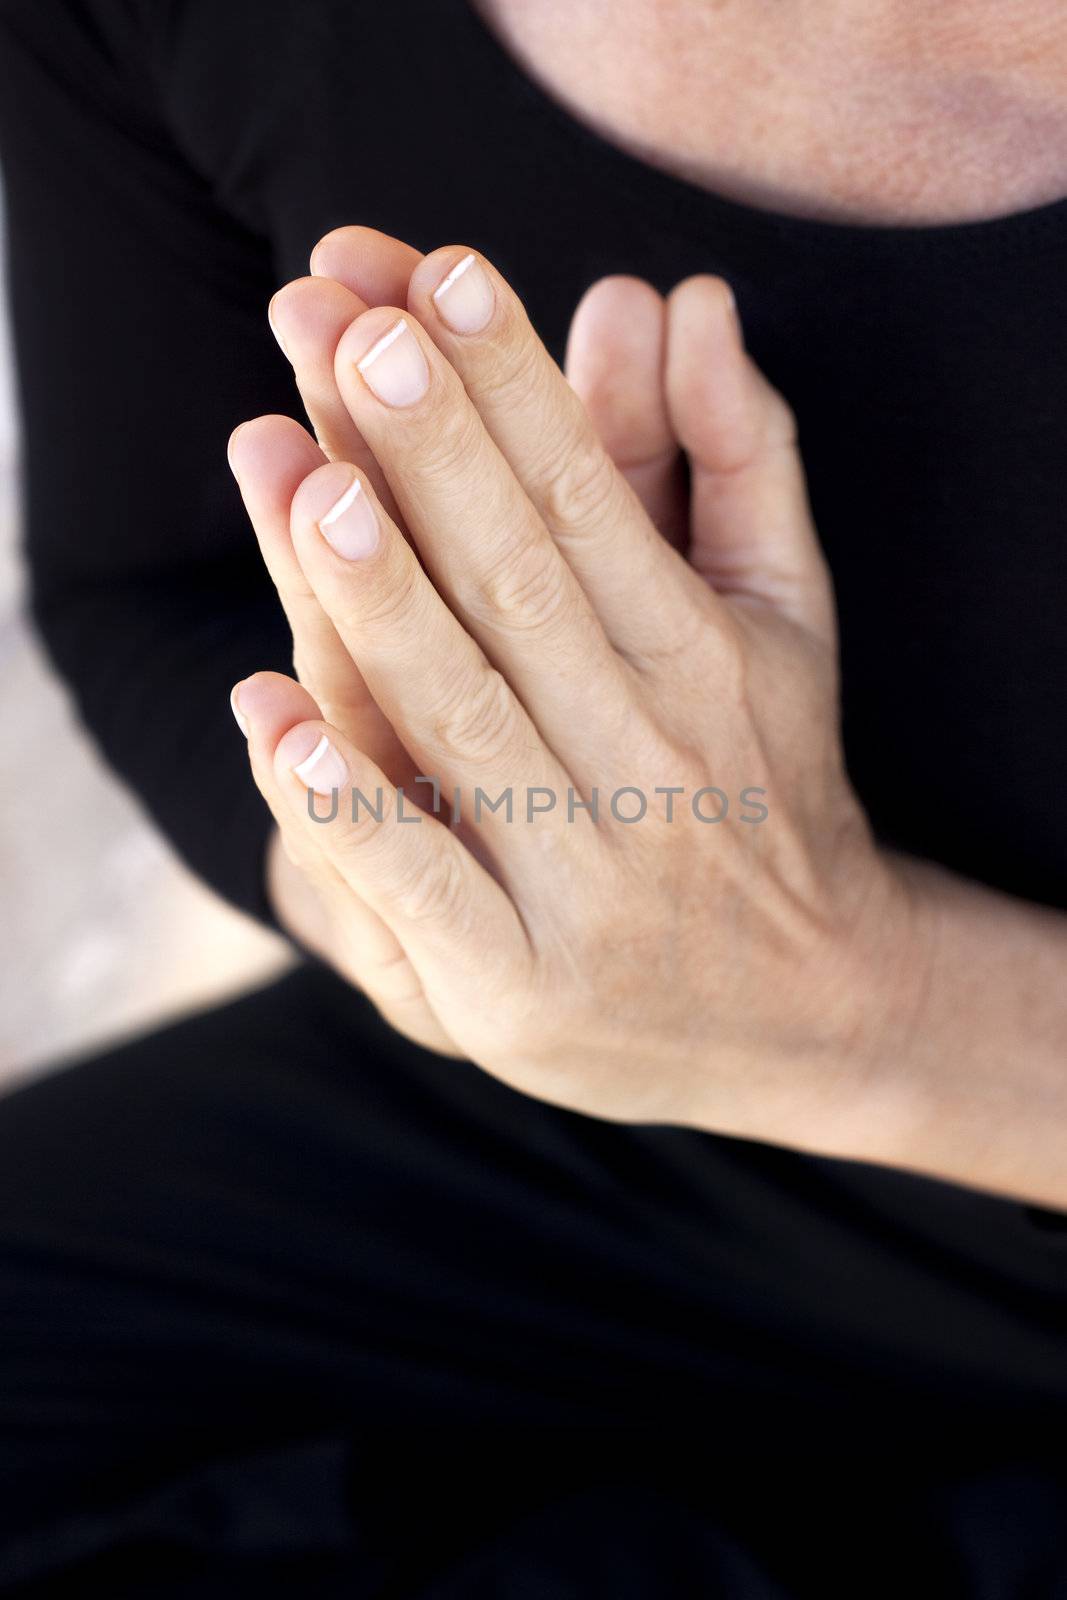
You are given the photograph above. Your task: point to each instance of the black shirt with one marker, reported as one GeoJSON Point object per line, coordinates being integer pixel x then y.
{"type": "Point", "coordinates": [169, 163]}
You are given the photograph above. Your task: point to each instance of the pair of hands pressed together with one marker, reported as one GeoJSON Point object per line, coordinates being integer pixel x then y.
{"type": "Point", "coordinates": [503, 579]}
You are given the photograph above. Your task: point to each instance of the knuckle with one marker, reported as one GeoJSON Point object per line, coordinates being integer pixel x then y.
{"type": "Point", "coordinates": [430, 888]}
{"type": "Point", "coordinates": [578, 487]}
{"type": "Point", "coordinates": [687, 643]}
{"type": "Point", "coordinates": [450, 441]}
{"type": "Point", "coordinates": [687, 766]}
{"type": "Point", "coordinates": [477, 719]}
{"type": "Point", "coordinates": [525, 586]}
{"type": "Point", "coordinates": [512, 366]}
{"type": "Point", "coordinates": [391, 606]}
{"type": "Point", "coordinates": [667, 766]}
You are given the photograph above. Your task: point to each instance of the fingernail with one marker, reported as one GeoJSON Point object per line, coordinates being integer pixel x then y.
{"type": "Point", "coordinates": [276, 332]}
{"type": "Point", "coordinates": [237, 717]}
{"type": "Point", "coordinates": [465, 297]}
{"type": "Point", "coordinates": [350, 526]}
{"type": "Point", "coordinates": [229, 447]}
{"type": "Point", "coordinates": [395, 368]}
{"type": "Point", "coordinates": [321, 769]}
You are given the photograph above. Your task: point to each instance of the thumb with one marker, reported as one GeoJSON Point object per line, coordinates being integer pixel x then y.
{"type": "Point", "coordinates": [751, 532]}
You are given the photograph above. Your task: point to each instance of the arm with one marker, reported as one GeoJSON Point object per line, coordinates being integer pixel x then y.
{"type": "Point", "coordinates": [138, 311]}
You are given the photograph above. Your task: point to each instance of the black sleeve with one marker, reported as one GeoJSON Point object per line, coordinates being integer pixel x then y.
{"type": "Point", "coordinates": [139, 316]}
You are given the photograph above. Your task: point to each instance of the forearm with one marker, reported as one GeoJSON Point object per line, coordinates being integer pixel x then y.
{"type": "Point", "coordinates": [971, 1082]}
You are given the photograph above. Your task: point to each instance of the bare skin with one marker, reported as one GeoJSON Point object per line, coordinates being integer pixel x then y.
{"type": "Point", "coordinates": [888, 1011]}
{"type": "Point", "coordinates": [880, 111]}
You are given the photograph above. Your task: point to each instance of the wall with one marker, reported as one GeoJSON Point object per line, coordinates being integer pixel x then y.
{"type": "Point", "coordinates": [102, 932]}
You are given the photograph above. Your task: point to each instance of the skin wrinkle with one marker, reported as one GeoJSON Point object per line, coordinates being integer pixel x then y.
{"type": "Point", "coordinates": [888, 113]}
{"type": "Point", "coordinates": [826, 1025]}
{"type": "Point", "coordinates": [822, 1027]}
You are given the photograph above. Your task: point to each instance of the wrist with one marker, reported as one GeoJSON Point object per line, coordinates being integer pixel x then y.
{"type": "Point", "coordinates": [875, 1065]}
{"type": "Point", "coordinates": [835, 1072]}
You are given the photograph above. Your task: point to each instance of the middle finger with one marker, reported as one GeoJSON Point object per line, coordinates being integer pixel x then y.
{"type": "Point", "coordinates": [484, 544]}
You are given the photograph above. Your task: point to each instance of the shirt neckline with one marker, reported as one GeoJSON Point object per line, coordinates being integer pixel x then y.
{"type": "Point", "coordinates": [697, 210]}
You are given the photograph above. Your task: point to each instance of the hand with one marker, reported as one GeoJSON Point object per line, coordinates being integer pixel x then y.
{"type": "Point", "coordinates": [614, 361]}
{"type": "Point", "coordinates": [732, 974]}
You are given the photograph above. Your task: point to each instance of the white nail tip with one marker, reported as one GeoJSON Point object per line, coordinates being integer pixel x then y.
{"type": "Point", "coordinates": [308, 765]}
{"type": "Point", "coordinates": [342, 505]}
{"type": "Point", "coordinates": [457, 272]}
{"type": "Point", "coordinates": [242, 722]}
{"type": "Point", "coordinates": [383, 344]}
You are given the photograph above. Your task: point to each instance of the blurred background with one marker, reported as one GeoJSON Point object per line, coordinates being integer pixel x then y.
{"type": "Point", "coordinates": [103, 932]}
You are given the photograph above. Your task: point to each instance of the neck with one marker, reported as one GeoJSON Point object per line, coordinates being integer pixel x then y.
{"type": "Point", "coordinates": [873, 110]}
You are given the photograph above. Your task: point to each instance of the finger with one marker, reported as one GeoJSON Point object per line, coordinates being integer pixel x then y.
{"type": "Point", "coordinates": [453, 710]}
{"type": "Point", "coordinates": [356, 941]}
{"type": "Point", "coordinates": [321, 921]}
{"type": "Point", "coordinates": [632, 578]}
{"type": "Point", "coordinates": [614, 362]}
{"type": "Point", "coordinates": [373, 265]}
{"type": "Point", "coordinates": [484, 544]}
{"type": "Point", "coordinates": [752, 532]}
{"type": "Point", "coordinates": [616, 350]}
{"type": "Point", "coordinates": [270, 457]}
{"type": "Point", "coordinates": [461, 933]}
{"type": "Point", "coordinates": [309, 316]}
